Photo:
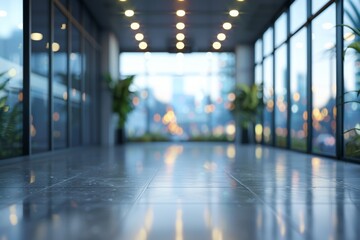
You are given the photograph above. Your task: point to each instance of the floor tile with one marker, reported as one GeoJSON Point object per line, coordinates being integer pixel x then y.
{"type": "Point", "coordinates": [206, 221]}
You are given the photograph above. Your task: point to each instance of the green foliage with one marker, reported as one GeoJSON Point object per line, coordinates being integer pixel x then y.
{"type": "Point", "coordinates": [353, 145]}
{"type": "Point", "coordinates": [356, 44]}
{"type": "Point", "coordinates": [10, 120]}
{"type": "Point", "coordinates": [247, 102]}
{"type": "Point", "coordinates": [150, 137]}
{"type": "Point", "coordinates": [209, 138]}
{"type": "Point", "coordinates": [122, 97]}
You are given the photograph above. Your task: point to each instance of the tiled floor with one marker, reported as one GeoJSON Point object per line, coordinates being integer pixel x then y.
{"type": "Point", "coordinates": [179, 191]}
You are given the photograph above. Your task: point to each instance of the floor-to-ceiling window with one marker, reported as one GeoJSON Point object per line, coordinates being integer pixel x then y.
{"type": "Point", "coordinates": [181, 96]}
{"type": "Point", "coordinates": [60, 81]}
{"type": "Point", "coordinates": [59, 111]}
{"type": "Point", "coordinates": [76, 86]}
{"type": "Point", "coordinates": [40, 56]}
{"type": "Point", "coordinates": [298, 91]}
{"type": "Point", "coordinates": [268, 86]}
{"type": "Point", "coordinates": [258, 80]}
{"type": "Point", "coordinates": [324, 82]}
{"type": "Point", "coordinates": [11, 78]}
{"type": "Point", "coordinates": [313, 57]}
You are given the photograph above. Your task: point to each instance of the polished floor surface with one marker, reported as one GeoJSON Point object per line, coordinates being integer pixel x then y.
{"type": "Point", "coordinates": [179, 191]}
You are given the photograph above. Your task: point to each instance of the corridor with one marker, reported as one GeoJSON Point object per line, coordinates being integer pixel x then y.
{"type": "Point", "coordinates": [179, 191]}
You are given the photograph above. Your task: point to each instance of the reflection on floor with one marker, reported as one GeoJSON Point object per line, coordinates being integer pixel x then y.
{"type": "Point", "coordinates": [180, 191]}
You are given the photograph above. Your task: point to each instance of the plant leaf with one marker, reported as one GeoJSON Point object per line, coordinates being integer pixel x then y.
{"type": "Point", "coordinates": [355, 46]}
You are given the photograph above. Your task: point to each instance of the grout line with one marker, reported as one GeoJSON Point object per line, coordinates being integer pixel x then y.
{"type": "Point", "coordinates": [277, 215]}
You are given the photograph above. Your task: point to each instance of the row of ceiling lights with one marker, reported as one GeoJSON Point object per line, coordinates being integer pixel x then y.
{"type": "Point", "coordinates": [226, 26]}
{"type": "Point", "coordinates": [180, 36]}
{"type": "Point", "coordinates": [139, 36]}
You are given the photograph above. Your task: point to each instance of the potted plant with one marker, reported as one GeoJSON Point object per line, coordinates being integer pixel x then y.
{"type": "Point", "coordinates": [353, 145]}
{"type": "Point", "coordinates": [122, 104]}
{"type": "Point", "coordinates": [246, 107]}
{"type": "Point", "coordinates": [10, 121]}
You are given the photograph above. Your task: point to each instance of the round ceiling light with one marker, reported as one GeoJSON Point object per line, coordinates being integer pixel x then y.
{"type": "Point", "coordinates": [227, 26]}
{"type": "Point", "coordinates": [180, 13]}
{"type": "Point", "coordinates": [180, 36]}
{"type": "Point", "coordinates": [143, 45]}
{"type": "Point", "coordinates": [180, 25]}
{"type": "Point", "coordinates": [180, 45]}
{"type": "Point", "coordinates": [221, 36]}
{"type": "Point", "coordinates": [234, 13]}
{"type": "Point", "coordinates": [134, 26]}
{"type": "Point", "coordinates": [129, 13]}
{"type": "Point", "coordinates": [139, 36]}
{"type": "Point", "coordinates": [216, 45]}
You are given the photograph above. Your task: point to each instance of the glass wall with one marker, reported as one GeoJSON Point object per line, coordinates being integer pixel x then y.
{"type": "Point", "coordinates": [281, 29]}
{"type": "Point", "coordinates": [181, 96]}
{"type": "Point", "coordinates": [312, 126]}
{"type": "Point", "coordinates": [76, 85]}
{"type": "Point", "coordinates": [298, 14]}
{"type": "Point", "coordinates": [11, 78]}
{"type": "Point", "coordinates": [258, 124]}
{"type": "Point", "coordinates": [281, 104]}
{"type": "Point", "coordinates": [324, 82]}
{"type": "Point", "coordinates": [60, 96]}
{"type": "Point", "coordinates": [351, 82]}
{"type": "Point", "coordinates": [40, 76]}
{"type": "Point", "coordinates": [60, 82]}
{"type": "Point", "coordinates": [298, 91]}
{"type": "Point", "coordinates": [268, 96]}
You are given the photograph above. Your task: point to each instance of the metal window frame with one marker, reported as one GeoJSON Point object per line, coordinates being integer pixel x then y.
{"type": "Point", "coordinates": [26, 141]}
{"type": "Point", "coordinates": [339, 80]}
{"type": "Point", "coordinates": [26, 91]}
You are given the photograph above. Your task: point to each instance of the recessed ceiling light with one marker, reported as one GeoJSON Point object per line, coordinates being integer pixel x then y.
{"type": "Point", "coordinates": [122, 0]}
{"type": "Point", "coordinates": [216, 45]}
{"type": "Point", "coordinates": [36, 36]}
{"type": "Point", "coordinates": [227, 26]}
{"type": "Point", "coordinates": [139, 36]}
{"type": "Point", "coordinates": [135, 26]}
{"type": "Point", "coordinates": [241, 0]}
{"type": "Point", "coordinates": [129, 13]}
{"type": "Point", "coordinates": [180, 25]}
{"type": "Point", "coordinates": [180, 45]}
{"type": "Point", "coordinates": [221, 36]}
{"type": "Point", "coordinates": [234, 13]}
{"type": "Point", "coordinates": [55, 46]}
{"type": "Point", "coordinates": [180, 36]}
{"type": "Point", "coordinates": [180, 13]}
{"type": "Point", "coordinates": [143, 45]}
